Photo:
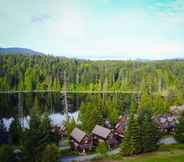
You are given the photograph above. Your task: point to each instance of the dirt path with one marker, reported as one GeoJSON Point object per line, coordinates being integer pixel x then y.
{"type": "Point", "coordinates": [86, 157]}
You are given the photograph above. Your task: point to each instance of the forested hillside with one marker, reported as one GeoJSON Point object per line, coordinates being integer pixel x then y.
{"type": "Point", "coordinates": [46, 72]}
{"type": "Point", "coordinates": [15, 50]}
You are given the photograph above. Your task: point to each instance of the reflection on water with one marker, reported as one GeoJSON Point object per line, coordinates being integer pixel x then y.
{"type": "Point", "coordinates": [53, 103]}
{"type": "Point", "coordinates": [50, 102]}
{"type": "Point", "coordinates": [57, 119]}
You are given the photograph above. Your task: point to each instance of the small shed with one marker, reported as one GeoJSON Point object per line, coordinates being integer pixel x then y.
{"type": "Point", "coordinates": [80, 141]}
{"type": "Point", "coordinates": [104, 134]}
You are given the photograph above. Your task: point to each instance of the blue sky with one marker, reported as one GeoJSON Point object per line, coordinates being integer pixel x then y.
{"type": "Point", "coordinates": [95, 29]}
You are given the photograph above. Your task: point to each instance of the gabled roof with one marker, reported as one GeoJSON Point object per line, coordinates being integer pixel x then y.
{"type": "Point", "coordinates": [174, 108]}
{"type": "Point", "coordinates": [101, 131]}
{"type": "Point", "coordinates": [122, 122]}
{"type": "Point", "coordinates": [78, 134]}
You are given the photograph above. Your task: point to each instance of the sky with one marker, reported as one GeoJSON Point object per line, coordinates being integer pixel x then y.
{"type": "Point", "coordinates": [95, 29]}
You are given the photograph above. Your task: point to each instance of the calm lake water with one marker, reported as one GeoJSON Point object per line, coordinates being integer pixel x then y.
{"type": "Point", "coordinates": [52, 103]}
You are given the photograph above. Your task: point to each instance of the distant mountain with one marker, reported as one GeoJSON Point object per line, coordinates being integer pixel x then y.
{"type": "Point", "coordinates": [23, 51]}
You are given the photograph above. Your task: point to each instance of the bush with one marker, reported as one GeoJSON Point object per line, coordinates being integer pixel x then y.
{"type": "Point", "coordinates": [50, 154]}
{"type": "Point", "coordinates": [101, 148]}
{"type": "Point", "coordinates": [6, 153]}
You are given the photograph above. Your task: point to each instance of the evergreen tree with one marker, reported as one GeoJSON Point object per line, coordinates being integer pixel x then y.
{"type": "Point", "coordinates": [50, 136]}
{"type": "Point", "coordinates": [145, 101]}
{"type": "Point", "coordinates": [149, 132]}
{"type": "Point", "coordinates": [2, 126]}
{"type": "Point", "coordinates": [3, 133]}
{"type": "Point", "coordinates": [15, 132]}
{"type": "Point", "coordinates": [132, 141]}
{"type": "Point", "coordinates": [159, 105]}
{"type": "Point", "coordinates": [112, 112]}
{"type": "Point", "coordinates": [70, 124]}
{"type": "Point", "coordinates": [90, 115]}
{"type": "Point", "coordinates": [50, 153]}
{"type": "Point", "coordinates": [179, 134]}
{"type": "Point", "coordinates": [38, 135]}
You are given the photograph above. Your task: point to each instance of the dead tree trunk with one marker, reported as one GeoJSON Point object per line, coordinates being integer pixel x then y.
{"type": "Point", "coordinates": [65, 97]}
{"type": "Point", "coordinates": [20, 110]}
{"type": "Point", "coordinates": [77, 82]}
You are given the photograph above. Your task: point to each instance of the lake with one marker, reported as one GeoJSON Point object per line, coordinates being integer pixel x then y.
{"type": "Point", "coordinates": [53, 103]}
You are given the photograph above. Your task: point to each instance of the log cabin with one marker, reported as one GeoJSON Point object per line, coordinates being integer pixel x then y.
{"type": "Point", "coordinates": [120, 127]}
{"type": "Point", "coordinates": [60, 130]}
{"type": "Point", "coordinates": [80, 141]}
{"type": "Point", "coordinates": [166, 123]}
{"type": "Point", "coordinates": [102, 134]}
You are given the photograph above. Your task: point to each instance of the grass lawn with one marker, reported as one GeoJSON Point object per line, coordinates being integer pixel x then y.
{"type": "Point", "coordinates": [166, 153]}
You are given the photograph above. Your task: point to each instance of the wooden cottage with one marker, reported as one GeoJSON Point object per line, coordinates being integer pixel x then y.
{"type": "Point", "coordinates": [176, 109]}
{"type": "Point", "coordinates": [80, 141]}
{"type": "Point", "coordinates": [59, 130]}
{"type": "Point", "coordinates": [167, 123]}
{"type": "Point", "coordinates": [62, 130]}
{"type": "Point", "coordinates": [102, 134]}
{"type": "Point", "coordinates": [120, 127]}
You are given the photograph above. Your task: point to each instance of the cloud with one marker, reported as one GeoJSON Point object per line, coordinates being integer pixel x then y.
{"type": "Point", "coordinates": [98, 28]}
{"type": "Point", "coordinates": [172, 11]}
{"type": "Point", "coordinates": [40, 18]}
{"type": "Point", "coordinates": [106, 1]}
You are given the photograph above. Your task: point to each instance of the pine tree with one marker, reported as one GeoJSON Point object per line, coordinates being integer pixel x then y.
{"type": "Point", "coordinates": [70, 124]}
{"type": "Point", "coordinates": [145, 101]}
{"type": "Point", "coordinates": [50, 136]}
{"type": "Point", "coordinates": [3, 133]}
{"type": "Point", "coordinates": [90, 115]}
{"type": "Point", "coordinates": [38, 134]}
{"type": "Point", "coordinates": [149, 133]}
{"type": "Point", "coordinates": [159, 104]}
{"type": "Point", "coordinates": [2, 126]}
{"type": "Point", "coordinates": [50, 153]}
{"type": "Point", "coordinates": [135, 139]}
{"type": "Point", "coordinates": [132, 141]}
{"type": "Point", "coordinates": [112, 112]}
{"type": "Point", "coordinates": [28, 80]}
{"type": "Point", "coordinates": [180, 129]}
{"type": "Point", "coordinates": [15, 132]}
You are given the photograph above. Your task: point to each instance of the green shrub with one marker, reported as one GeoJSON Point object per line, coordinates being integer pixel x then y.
{"type": "Point", "coordinates": [6, 153]}
{"type": "Point", "coordinates": [50, 154]}
{"type": "Point", "coordinates": [101, 148]}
